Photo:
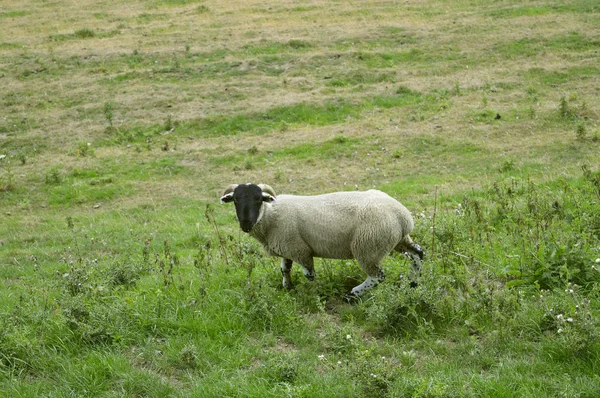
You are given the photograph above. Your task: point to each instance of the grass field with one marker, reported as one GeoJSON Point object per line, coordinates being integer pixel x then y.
{"type": "Point", "coordinates": [122, 122]}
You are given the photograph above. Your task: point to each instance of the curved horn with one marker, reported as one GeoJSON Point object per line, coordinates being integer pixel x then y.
{"type": "Point", "coordinates": [268, 193]}
{"type": "Point", "coordinates": [230, 188]}
{"type": "Point", "coordinates": [267, 189]}
{"type": "Point", "coordinates": [228, 193]}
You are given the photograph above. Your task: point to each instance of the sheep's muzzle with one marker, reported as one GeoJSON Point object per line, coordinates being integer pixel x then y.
{"type": "Point", "coordinates": [246, 226]}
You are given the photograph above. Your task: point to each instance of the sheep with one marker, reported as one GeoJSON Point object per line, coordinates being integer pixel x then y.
{"type": "Point", "coordinates": [365, 226]}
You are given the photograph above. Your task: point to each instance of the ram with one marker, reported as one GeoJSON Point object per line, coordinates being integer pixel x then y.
{"type": "Point", "coordinates": [365, 226]}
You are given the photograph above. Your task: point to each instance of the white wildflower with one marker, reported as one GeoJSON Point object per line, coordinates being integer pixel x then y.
{"type": "Point", "coordinates": [348, 337]}
{"type": "Point", "coordinates": [598, 261]}
{"type": "Point", "coordinates": [339, 362]}
{"type": "Point", "coordinates": [559, 317]}
{"type": "Point", "coordinates": [458, 210]}
{"type": "Point", "coordinates": [373, 375]}
{"type": "Point", "coordinates": [321, 357]}
{"type": "Point", "coordinates": [570, 320]}
{"type": "Point", "coordinates": [559, 330]}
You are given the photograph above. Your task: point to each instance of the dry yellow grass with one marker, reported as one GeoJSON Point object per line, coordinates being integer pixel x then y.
{"type": "Point", "coordinates": [58, 83]}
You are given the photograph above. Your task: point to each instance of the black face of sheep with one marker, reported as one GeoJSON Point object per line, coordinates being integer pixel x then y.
{"type": "Point", "coordinates": [248, 199]}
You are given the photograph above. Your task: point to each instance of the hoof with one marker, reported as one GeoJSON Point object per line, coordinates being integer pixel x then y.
{"type": "Point", "coordinates": [419, 251]}
{"type": "Point", "coordinates": [351, 298]}
{"type": "Point", "coordinates": [288, 286]}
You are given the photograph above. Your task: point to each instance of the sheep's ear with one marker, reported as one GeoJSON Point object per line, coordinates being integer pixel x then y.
{"type": "Point", "coordinates": [268, 198]}
{"type": "Point", "coordinates": [227, 198]}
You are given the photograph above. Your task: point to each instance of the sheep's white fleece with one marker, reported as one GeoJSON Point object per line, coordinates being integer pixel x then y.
{"type": "Point", "coordinates": [342, 225]}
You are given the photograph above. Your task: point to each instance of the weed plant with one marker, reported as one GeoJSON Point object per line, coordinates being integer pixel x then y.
{"type": "Point", "coordinates": [7, 179]}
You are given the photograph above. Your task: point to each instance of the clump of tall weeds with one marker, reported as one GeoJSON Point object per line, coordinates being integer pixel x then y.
{"type": "Point", "coordinates": [495, 252]}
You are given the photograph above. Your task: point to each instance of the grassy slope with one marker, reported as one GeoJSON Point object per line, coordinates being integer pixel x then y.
{"type": "Point", "coordinates": [122, 120]}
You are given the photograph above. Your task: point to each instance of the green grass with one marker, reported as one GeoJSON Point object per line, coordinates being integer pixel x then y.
{"type": "Point", "coordinates": [10, 45]}
{"type": "Point", "coordinates": [573, 41]}
{"type": "Point", "coordinates": [584, 6]}
{"type": "Point", "coordinates": [112, 324]}
{"type": "Point", "coordinates": [13, 14]}
{"type": "Point", "coordinates": [277, 118]}
{"type": "Point", "coordinates": [84, 33]}
{"type": "Point", "coordinates": [561, 77]}
{"type": "Point", "coordinates": [176, 3]}
{"type": "Point", "coordinates": [276, 47]}
{"type": "Point", "coordinates": [122, 276]}
{"type": "Point", "coordinates": [286, 117]}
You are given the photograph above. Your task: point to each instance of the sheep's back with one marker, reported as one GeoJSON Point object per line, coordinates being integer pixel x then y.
{"type": "Point", "coordinates": [328, 223]}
